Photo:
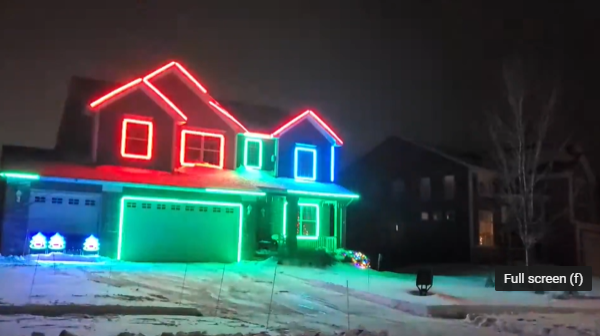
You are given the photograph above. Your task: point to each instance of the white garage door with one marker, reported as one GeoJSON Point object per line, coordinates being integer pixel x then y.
{"type": "Point", "coordinates": [163, 230]}
{"type": "Point", "coordinates": [69, 213]}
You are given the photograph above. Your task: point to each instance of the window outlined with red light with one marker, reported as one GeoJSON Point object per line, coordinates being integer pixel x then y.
{"type": "Point", "coordinates": [137, 139]}
{"type": "Point", "coordinates": [204, 149]}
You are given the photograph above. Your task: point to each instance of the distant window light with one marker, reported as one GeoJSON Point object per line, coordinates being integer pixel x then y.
{"type": "Point", "coordinates": [437, 216]}
{"type": "Point", "coordinates": [425, 189]}
{"type": "Point", "coordinates": [396, 227]}
{"type": "Point", "coordinates": [424, 216]}
{"type": "Point", "coordinates": [450, 216]}
{"type": "Point", "coordinates": [449, 187]}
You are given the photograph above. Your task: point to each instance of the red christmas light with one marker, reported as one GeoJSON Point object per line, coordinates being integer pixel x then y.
{"type": "Point", "coordinates": [301, 117]}
{"type": "Point", "coordinates": [182, 158]}
{"type": "Point", "coordinates": [124, 127]}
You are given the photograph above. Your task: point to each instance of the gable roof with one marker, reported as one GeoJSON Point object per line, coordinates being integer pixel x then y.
{"type": "Point", "coordinates": [313, 119]}
{"type": "Point", "coordinates": [146, 84]}
{"type": "Point", "coordinates": [263, 114]}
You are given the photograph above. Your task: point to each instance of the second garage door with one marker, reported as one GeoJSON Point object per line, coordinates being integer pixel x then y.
{"type": "Point", "coordinates": [166, 230]}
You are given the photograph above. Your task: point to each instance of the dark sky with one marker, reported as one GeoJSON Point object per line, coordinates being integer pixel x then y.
{"type": "Point", "coordinates": [423, 69]}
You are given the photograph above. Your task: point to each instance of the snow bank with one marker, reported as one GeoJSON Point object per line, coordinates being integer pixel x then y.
{"type": "Point", "coordinates": [534, 324]}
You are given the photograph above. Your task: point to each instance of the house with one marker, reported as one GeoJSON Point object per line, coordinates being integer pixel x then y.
{"type": "Point", "coordinates": [423, 205]}
{"type": "Point", "coordinates": [159, 171]}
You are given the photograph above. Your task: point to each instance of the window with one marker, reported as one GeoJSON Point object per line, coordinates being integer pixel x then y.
{"type": "Point", "coordinates": [449, 187]}
{"type": "Point", "coordinates": [437, 216]}
{"type": "Point", "coordinates": [424, 216]}
{"type": "Point", "coordinates": [398, 189]}
{"type": "Point", "coordinates": [450, 216]}
{"type": "Point", "coordinates": [504, 214]}
{"type": "Point", "coordinates": [305, 163]}
{"type": "Point", "coordinates": [202, 149]}
{"type": "Point", "coordinates": [425, 189]}
{"type": "Point", "coordinates": [486, 228]}
{"type": "Point", "coordinates": [308, 222]}
{"type": "Point", "coordinates": [253, 153]}
{"type": "Point", "coordinates": [136, 139]}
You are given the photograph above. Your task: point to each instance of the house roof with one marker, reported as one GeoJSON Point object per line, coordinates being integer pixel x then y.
{"type": "Point", "coordinates": [261, 119]}
{"type": "Point", "coordinates": [48, 166]}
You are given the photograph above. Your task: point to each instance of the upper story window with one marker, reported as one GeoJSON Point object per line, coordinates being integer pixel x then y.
{"type": "Point", "coordinates": [398, 189]}
{"type": "Point", "coordinates": [136, 139]}
{"type": "Point", "coordinates": [305, 163]}
{"type": "Point", "coordinates": [253, 153]}
{"type": "Point", "coordinates": [425, 189]}
{"type": "Point", "coordinates": [202, 149]}
{"type": "Point", "coordinates": [449, 187]}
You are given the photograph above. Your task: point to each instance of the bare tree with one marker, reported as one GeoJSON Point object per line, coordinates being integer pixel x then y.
{"type": "Point", "coordinates": [518, 134]}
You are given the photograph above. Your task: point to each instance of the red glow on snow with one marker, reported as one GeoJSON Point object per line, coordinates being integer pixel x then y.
{"type": "Point", "coordinates": [305, 114]}
{"type": "Point", "coordinates": [124, 153]}
{"type": "Point", "coordinates": [182, 158]}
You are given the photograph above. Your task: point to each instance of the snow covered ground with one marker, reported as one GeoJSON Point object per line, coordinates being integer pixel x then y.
{"type": "Point", "coordinates": [111, 297]}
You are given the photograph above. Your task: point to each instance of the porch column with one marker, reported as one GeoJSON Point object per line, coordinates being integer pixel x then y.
{"type": "Point", "coordinates": [291, 222]}
{"type": "Point", "coordinates": [343, 228]}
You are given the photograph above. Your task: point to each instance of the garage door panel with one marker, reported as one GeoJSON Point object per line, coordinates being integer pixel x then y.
{"type": "Point", "coordinates": [178, 232]}
{"type": "Point", "coordinates": [64, 212]}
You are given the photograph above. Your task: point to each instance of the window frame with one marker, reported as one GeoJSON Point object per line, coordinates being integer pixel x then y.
{"type": "Point", "coordinates": [317, 220]}
{"type": "Point", "coordinates": [149, 141]}
{"type": "Point", "coordinates": [203, 134]}
{"type": "Point", "coordinates": [310, 149]}
{"type": "Point", "coordinates": [482, 217]}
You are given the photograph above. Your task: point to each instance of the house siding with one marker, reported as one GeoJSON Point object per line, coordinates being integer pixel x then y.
{"type": "Point", "coordinates": [136, 103]}
{"type": "Point", "coordinates": [304, 133]}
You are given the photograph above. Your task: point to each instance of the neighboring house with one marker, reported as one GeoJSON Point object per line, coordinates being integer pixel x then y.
{"type": "Point", "coordinates": [422, 205]}
{"type": "Point", "coordinates": [160, 171]}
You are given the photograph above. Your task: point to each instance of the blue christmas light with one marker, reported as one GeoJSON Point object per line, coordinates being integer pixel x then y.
{"type": "Point", "coordinates": [57, 242]}
{"type": "Point", "coordinates": [91, 244]}
{"type": "Point", "coordinates": [38, 242]}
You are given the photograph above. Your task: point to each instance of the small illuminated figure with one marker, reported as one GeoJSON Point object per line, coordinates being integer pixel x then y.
{"type": "Point", "coordinates": [91, 244]}
{"type": "Point", "coordinates": [38, 242]}
{"type": "Point", "coordinates": [57, 243]}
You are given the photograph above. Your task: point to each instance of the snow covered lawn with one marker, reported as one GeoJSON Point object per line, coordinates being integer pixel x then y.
{"type": "Point", "coordinates": [101, 299]}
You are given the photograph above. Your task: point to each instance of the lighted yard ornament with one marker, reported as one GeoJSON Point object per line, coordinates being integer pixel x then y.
{"type": "Point", "coordinates": [424, 281]}
{"type": "Point", "coordinates": [358, 259]}
{"type": "Point", "coordinates": [57, 243]}
{"type": "Point", "coordinates": [91, 245]}
{"type": "Point", "coordinates": [38, 242]}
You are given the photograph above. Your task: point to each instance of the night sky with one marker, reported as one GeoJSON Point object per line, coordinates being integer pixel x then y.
{"type": "Point", "coordinates": [426, 70]}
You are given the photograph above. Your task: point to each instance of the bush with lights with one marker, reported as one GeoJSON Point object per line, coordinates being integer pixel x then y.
{"type": "Point", "coordinates": [355, 258]}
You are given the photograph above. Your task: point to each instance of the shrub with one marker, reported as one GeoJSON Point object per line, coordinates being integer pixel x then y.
{"type": "Point", "coordinates": [311, 258]}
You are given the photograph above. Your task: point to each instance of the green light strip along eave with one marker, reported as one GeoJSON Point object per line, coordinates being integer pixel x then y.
{"type": "Point", "coordinates": [235, 192]}
{"type": "Point", "coordinates": [318, 221]}
{"type": "Point", "coordinates": [319, 194]}
{"type": "Point", "coordinates": [22, 176]}
{"type": "Point", "coordinates": [28, 176]}
{"type": "Point", "coordinates": [174, 200]}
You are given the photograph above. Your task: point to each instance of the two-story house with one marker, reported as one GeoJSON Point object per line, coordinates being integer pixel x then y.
{"type": "Point", "coordinates": [421, 204]}
{"type": "Point", "coordinates": [158, 170]}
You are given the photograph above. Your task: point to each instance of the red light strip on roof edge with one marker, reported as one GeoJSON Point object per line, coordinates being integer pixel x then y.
{"type": "Point", "coordinates": [166, 100]}
{"type": "Point", "coordinates": [146, 80]}
{"type": "Point", "coordinates": [113, 93]}
{"type": "Point", "coordinates": [305, 114]}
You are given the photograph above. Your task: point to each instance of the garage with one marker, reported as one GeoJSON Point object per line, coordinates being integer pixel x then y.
{"type": "Point", "coordinates": [68, 213]}
{"type": "Point", "coordinates": [171, 230]}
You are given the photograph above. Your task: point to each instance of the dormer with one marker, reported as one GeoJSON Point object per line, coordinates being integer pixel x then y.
{"type": "Point", "coordinates": [308, 149]}
{"type": "Point", "coordinates": [164, 120]}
